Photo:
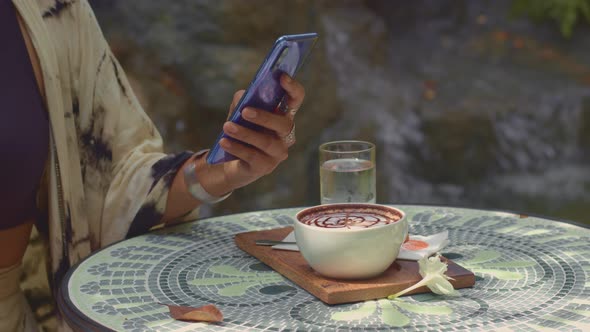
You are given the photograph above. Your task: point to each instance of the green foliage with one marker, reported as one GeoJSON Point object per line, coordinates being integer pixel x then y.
{"type": "Point", "coordinates": [564, 12]}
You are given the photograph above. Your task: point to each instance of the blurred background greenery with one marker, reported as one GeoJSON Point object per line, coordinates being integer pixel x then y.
{"type": "Point", "coordinates": [564, 13]}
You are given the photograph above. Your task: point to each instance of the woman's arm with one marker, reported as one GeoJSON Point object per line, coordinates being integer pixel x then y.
{"type": "Point", "coordinates": [126, 175]}
{"type": "Point", "coordinates": [145, 186]}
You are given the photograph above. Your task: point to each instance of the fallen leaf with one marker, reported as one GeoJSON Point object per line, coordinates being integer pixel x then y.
{"type": "Point", "coordinates": [206, 313]}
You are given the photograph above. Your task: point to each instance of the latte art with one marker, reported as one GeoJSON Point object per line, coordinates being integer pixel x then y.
{"type": "Point", "coordinates": [346, 219]}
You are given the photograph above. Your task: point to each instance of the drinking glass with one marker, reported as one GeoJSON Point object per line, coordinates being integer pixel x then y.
{"type": "Point", "coordinates": [347, 172]}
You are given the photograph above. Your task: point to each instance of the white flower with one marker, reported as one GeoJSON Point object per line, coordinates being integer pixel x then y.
{"type": "Point", "coordinates": [432, 270]}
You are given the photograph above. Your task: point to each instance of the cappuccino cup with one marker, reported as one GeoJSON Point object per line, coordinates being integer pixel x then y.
{"type": "Point", "coordinates": [350, 240]}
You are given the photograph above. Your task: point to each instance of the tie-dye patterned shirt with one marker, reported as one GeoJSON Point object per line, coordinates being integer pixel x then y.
{"type": "Point", "coordinates": [107, 178]}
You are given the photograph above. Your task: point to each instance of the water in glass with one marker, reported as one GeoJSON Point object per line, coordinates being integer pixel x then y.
{"type": "Point", "coordinates": [348, 180]}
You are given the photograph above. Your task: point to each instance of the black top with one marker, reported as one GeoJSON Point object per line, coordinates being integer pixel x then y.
{"type": "Point", "coordinates": [24, 125]}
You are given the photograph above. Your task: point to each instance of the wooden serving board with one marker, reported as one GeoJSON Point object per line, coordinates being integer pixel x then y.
{"type": "Point", "coordinates": [291, 264]}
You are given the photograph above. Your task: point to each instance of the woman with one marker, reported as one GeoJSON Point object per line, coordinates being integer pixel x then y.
{"type": "Point", "coordinates": [81, 158]}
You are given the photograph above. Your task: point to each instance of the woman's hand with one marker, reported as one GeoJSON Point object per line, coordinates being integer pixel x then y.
{"type": "Point", "coordinates": [268, 147]}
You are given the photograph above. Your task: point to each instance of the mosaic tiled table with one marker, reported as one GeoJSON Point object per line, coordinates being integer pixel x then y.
{"type": "Point", "coordinates": [532, 274]}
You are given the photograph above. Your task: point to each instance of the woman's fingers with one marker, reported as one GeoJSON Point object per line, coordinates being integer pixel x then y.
{"type": "Point", "coordinates": [234, 102]}
{"type": "Point", "coordinates": [279, 123]}
{"type": "Point", "coordinates": [262, 144]}
{"type": "Point", "coordinates": [295, 93]}
{"type": "Point", "coordinates": [258, 162]}
{"type": "Point", "coordinates": [259, 152]}
{"type": "Point", "coordinates": [268, 144]}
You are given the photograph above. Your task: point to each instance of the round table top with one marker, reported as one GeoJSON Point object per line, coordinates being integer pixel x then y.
{"type": "Point", "coordinates": [531, 274]}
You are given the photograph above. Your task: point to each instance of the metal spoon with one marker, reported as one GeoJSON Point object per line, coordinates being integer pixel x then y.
{"type": "Point", "coordinates": [271, 242]}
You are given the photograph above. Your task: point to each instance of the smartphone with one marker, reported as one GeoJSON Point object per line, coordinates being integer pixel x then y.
{"type": "Point", "coordinates": [287, 55]}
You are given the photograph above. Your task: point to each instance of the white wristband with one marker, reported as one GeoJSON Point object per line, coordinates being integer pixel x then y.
{"type": "Point", "coordinates": [194, 186]}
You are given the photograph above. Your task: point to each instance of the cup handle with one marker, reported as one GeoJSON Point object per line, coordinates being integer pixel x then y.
{"type": "Point", "coordinates": [406, 231]}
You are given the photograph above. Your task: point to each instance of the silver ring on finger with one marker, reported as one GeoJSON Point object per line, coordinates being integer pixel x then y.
{"type": "Point", "coordinates": [292, 111]}
{"type": "Point", "coordinates": [290, 138]}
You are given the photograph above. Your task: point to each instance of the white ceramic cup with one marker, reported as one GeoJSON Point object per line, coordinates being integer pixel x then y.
{"type": "Point", "coordinates": [350, 252]}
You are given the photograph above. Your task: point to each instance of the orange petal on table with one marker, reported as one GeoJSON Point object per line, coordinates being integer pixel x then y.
{"type": "Point", "coordinates": [206, 313]}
